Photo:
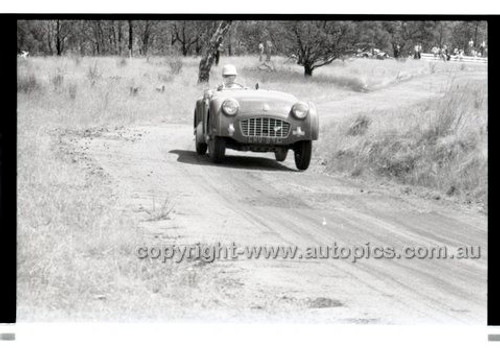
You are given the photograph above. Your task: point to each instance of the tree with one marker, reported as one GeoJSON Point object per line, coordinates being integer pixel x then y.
{"type": "Point", "coordinates": [130, 38]}
{"type": "Point", "coordinates": [317, 43]}
{"type": "Point", "coordinates": [147, 31]}
{"type": "Point", "coordinates": [186, 34]}
{"type": "Point", "coordinates": [463, 31]}
{"type": "Point", "coordinates": [372, 34]}
{"type": "Point", "coordinates": [408, 33]}
{"type": "Point", "coordinates": [442, 33]}
{"type": "Point", "coordinates": [211, 50]}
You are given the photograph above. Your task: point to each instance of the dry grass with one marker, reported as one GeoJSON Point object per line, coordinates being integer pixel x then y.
{"type": "Point", "coordinates": [76, 246]}
{"type": "Point", "coordinates": [439, 144]}
{"type": "Point", "coordinates": [106, 82]}
{"type": "Point", "coordinates": [161, 212]}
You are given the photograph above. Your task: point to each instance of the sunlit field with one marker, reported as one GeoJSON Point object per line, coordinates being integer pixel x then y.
{"type": "Point", "coordinates": [90, 91]}
{"type": "Point", "coordinates": [73, 262]}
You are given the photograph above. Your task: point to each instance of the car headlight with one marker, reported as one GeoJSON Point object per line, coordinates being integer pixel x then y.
{"type": "Point", "coordinates": [300, 110]}
{"type": "Point", "coordinates": [230, 107]}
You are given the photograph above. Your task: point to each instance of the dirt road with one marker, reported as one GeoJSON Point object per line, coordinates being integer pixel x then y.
{"type": "Point", "coordinates": [252, 200]}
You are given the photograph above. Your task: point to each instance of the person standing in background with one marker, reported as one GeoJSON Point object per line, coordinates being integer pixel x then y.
{"type": "Point", "coordinates": [219, 50]}
{"type": "Point", "coordinates": [417, 51]}
{"type": "Point", "coordinates": [482, 48]}
{"type": "Point", "coordinates": [269, 48]}
{"type": "Point", "coordinates": [397, 51]}
{"type": "Point", "coordinates": [470, 47]}
{"type": "Point", "coordinates": [261, 51]}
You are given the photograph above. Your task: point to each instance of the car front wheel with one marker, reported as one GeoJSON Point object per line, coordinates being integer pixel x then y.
{"type": "Point", "coordinates": [217, 149]}
{"type": "Point", "coordinates": [303, 151]}
{"type": "Point", "coordinates": [201, 146]}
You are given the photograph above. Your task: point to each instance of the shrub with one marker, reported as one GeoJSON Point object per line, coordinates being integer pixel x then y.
{"type": "Point", "coordinates": [93, 73]}
{"type": "Point", "coordinates": [77, 59]}
{"type": "Point", "coordinates": [165, 77]}
{"type": "Point", "coordinates": [438, 144]}
{"type": "Point", "coordinates": [432, 68]}
{"type": "Point", "coordinates": [121, 62]}
{"type": "Point", "coordinates": [57, 79]}
{"type": "Point", "coordinates": [359, 126]}
{"type": "Point", "coordinates": [175, 64]}
{"type": "Point", "coordinates": [72, 90]}
{"type": "Point", "coordinates": [27, 83]}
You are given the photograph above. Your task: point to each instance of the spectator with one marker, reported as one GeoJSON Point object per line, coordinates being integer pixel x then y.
{"type": "Point", "coordinates": [446, 53]}
{"type": "Point", "coordinates": [261, 51]}
{"type": "Point", "coordinates": [482, 48]}
{"type": "Point", "coordinates": [470, 47]}
{"type": "Point", "coordinates": [269, 48]}
{"type": "Point", "coordinates": [397, 51]}
{"type": "Point", "coordinates": [417, 51]}
{"type": "Point", "coordinates": [220, 48]}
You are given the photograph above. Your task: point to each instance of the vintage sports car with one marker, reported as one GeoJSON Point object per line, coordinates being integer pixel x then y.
{"type": "Point", "coordinates": [255, 120]}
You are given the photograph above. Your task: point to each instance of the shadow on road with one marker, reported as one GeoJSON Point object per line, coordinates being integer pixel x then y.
{"type": "Point", "coordinates": [238, 162]}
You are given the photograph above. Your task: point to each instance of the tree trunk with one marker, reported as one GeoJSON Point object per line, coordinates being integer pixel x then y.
{"type": "Point", "coordinates": [58, 38]}
{"type": "Point", "coordinates": [211, 50]}
{"type": "Point", "coordinates": [476, 29]}
{"type": "Point", "coordinates": [145, 44]}
{"type": "Point", "coordinates": [145, 37]}
{"type": "Point", "coordinates": [130, 38]}
{"type": "Point", "coordinates": [49, 37]}
{"type": "Point", "coordinates": [120, 37]}
{"type": "Point", "coordinates": [198, 48]}
{"type": "Point", "coordinates": [113, 38]}
{"type": "Point", "coordinates": [308, 70]}
{"type": "Point", "coordinates": [229, 47]}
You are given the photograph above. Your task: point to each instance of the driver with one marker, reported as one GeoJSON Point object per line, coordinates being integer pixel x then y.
{"type": "Point", "coordinates": [229, 77]}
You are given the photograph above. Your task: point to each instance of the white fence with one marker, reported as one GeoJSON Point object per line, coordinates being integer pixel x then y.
{"type": "Point", "coordinates": [464, 59]}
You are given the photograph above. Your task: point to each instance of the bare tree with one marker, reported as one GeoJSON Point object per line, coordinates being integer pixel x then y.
{"type": "Point", "coordinates": [60, 37]}
{"type": "Point", "coordinates": [186, 34]}
{"type": "Point", "coordinates": [49, 35]}
{"type": "Point", "coordinates": [211, 50]}
{"type": "Point", "coordinates": [146, 31]}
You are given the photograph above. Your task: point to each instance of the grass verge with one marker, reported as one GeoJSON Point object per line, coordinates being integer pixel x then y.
{"type": "Point", "coordinates": [439, 144]}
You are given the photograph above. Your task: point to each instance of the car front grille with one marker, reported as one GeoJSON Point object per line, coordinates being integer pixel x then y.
{"type": "Point", "coordinates": [265, 127]}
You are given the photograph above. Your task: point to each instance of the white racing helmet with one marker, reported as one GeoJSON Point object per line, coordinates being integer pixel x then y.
{"type": "Point", "coordinates": [229, 70]}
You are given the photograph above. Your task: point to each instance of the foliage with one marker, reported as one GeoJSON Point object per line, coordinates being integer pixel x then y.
{"type": "Point", "coordinates": [317, 43]}
{"type": "Point", "coordinates": [153, 37]}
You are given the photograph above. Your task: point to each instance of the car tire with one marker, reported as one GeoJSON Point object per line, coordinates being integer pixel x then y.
{"type": "Point", "coordinates": [303, 151]}
{"type": "Point", "coordinates": [217, 149]}
{"type": "Point", "coordinates": [281, 155]}
{"type": "Point", "coordinates": [201, 146]}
